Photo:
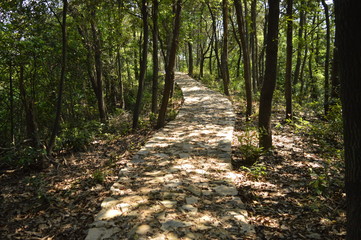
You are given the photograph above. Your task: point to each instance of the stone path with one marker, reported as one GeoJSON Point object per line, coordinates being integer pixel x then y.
{"type": "Point", "coordinates": [179, 185]}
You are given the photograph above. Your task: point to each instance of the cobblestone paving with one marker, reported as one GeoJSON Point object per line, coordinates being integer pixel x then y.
{"type": "Point", "coordinates": [180, 184]}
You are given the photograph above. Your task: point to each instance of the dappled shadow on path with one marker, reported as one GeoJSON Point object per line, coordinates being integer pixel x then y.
{"type": "Point", "coordinates": [179, 185]}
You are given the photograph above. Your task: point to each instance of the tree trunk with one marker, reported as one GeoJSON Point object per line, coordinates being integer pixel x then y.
{"type": "Point", "coordinates": [348, 43]}
{"type": "Point", "coordinates": [288, 84]}
{"type": "Point", "coordinates": [31, 124]}
{"type": "Point", "coordinates": [56, 126]}
{"type": "Point", "coordinates": [246, 61]}
{"type": "Point", "coordinates": [299, 48]}
{"type": "Point", "coordinates": [98, 68]}
{"type": "Point", "coordinates": [120, 82]}
{"type": "Point", "coordinates": [11, 100]}
{"type": "Point", "coordinates": [214, 27]}
{"type": "Point", "coordinates": [155, 57]}
{"type": "Point", "coordinates": [224, 57]}
{"type": "Point", "coordinates": [254, 46]}
{"type": "Point", "coordinates": [143, 65]}
{"type": "Point", "coordinates": [327, 60]}
{"type": "Point", "coordinates": [190, 57]}
{"type": "Point", "coordinates": [335, 88]}
{"type": "Point", "coordinates": [269, 83]}
{"type": "Point", "coordinates": [169, 75]}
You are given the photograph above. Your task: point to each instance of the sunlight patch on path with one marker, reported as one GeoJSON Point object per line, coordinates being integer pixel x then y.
{"type": "Point", "coordinates": [180, 184]}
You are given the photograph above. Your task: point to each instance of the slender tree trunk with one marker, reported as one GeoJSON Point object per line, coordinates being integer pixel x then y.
{"type": "Point", "coordinates": [190, 57]}
{"type": "Point", "coordinates": [327, 60]}
{"type": "Point", "coordinates": [214, 27]}
{"type": "Point", "coordinates": [246, 61]}
{"type": "Point", "coordinates": [169, 75]}
{"type": "Point", "coordinates": [11, 96]}
{"type": "Point", "coordinates": [143, 65]}
{"type": "Point", "coordinates": [335, 88]}
{"type": "Point", "coordinates": [155, 57]}
{"type": "Point", "coordinates": [31, 124]}
{"type": "Point", "coordinates": [120, 82]}
{"type": "Point", "coordinates": [348, 43]}
{"type": "Point", "coordinates": [254, 46]}
{"type": "Point", "coordinates": [288, 80]}
{"type": "Point", "coordinates": [56, 126]}
{"type": "Point", "coordinates": [299, 48]}
{"type": "Point", "coordinates": [269, 83]}
{"type": "Point", "coordinates": [224, 57]}
{"type": "Point", "coordinates": [98, 68]}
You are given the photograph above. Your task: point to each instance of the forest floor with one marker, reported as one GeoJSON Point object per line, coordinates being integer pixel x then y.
{"type": "Point", "coordinates": [285, 194]}
{"type": "Point", "coordinates": [294, 191]}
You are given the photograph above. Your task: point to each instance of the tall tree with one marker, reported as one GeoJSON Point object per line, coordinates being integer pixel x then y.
{"type": "Point", "coordinates": [348, 42]}
{"type": "Point", "coordinates": [169, 74]}
{"type": "Point", "coordinates": [143, 64]}
{"type": "Point", "coordinates": [288, 80]}
{"type": "Point", "coordinates": [224, 56]}
{"type": "Point", "coordinates": [269, 84]}
{"type": "Point", "coordinates": [327, 59]}
{"type": "Point", "coordinates": [155, 56]}
{"type": "Point", "coordinates": [246, 60]}
{"type": "Point", "coordinates": [55, 129]}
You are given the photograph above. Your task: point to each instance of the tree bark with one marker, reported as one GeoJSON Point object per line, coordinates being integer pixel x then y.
{"type": "Point", "coordinates": [348, 43]}
{"type": "Point", "coordinates": [288, 84]}
{"type": "Point", "coordinates": [98, 68]}
{"type": "Point", "coordinates": [31, 124]}
{"type": "Point", "coordinates": [224, 57]}
{"type": "Point", "coordinates": [269, 83]}
{"type": "Point", "coordinates": [254, 46]}
{"type": "Point", "coordinates": [56, 126]}
{"type": "Point", "coordinates": [169, 75]}
{"type": "Point", "coordinates": [190, 58]}
{"type": "Point", "coordinates": [326, 103]}
{"type": "Point", "coordinates": [246, 60]}
{"type": "Point", "coordinates": [155, 57]}
{"type": "Point", "coordinates": [299, 47]}
{"type": "Point", "coordinates": [143, 65]}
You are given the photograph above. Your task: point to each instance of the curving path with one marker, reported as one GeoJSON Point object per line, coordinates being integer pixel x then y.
{"type": "Point", "coordinates": [180, 184]}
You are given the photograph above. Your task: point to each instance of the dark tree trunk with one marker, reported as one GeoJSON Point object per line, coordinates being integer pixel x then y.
{"type": "Point", "coordinates": [335, 82]}
{"type": "Point", "coordinates": [155, 57]}
{"type": "Point", "coordinates": [254, 46]}
{"type": "Point", "coordinates": [11, 96]}
{"type": "Point", "coordinates": [224, 57]}
{"type": "Point", "coordinates": [299, 48]}
{"type": "Point", "coordinates": [169, 75]}
{"type": "Point", "coordinates": [214, 27]}
{"type": "Point", "coordinates": [121, 101]}
{"type": "Point", "coordinates": [327, 60]}
{"type": "Point", "coordinates": [190, 59]}
{"type": "Point", "coordinates": [246, 60]}
{"type": "Point", "coordinates": [55, 129]}
{"type": "Point", "coordinates": [31, 124]}
{"type": "Point", "coordinates": [288, 84]}
{"type": "Point", "coordinates": [348, 43]}
{"type": "Point", "coordinates": [98, 69]}
{"type": "Point", "coordinates": [269, 83]}
{"type": "Point", "coordinates": [143, 65]}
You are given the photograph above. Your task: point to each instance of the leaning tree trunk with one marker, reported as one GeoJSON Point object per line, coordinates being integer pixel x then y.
{"type": "Point", "coordinates": [349, 47]}
{"type": "Point", "coordinates": [143, 65]}
{"type": "Point", "coordinates": [269, 83]}
{"type": "Point", "coordinates": [169, 75]}
{"type": "Point", "coordinates": [288, 84]}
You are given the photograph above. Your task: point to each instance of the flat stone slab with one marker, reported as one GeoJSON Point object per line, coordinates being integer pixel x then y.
{"type": "Point", "coordinates": [180, 185]}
